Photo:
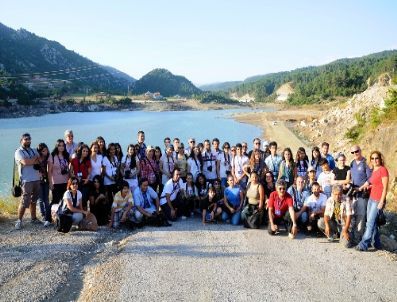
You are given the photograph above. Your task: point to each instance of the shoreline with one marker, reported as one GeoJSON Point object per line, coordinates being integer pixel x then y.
{"type": "Point", "coordinates": [19, 111]}
{"type": "Point", "coordinates": [276, 127]}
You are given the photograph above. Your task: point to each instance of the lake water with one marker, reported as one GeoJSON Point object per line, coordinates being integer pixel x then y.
{"type": "Point", "coordinates": [119, 127]}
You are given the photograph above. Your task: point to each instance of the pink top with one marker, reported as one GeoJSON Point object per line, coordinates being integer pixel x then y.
{"type": "Point", "coordinates": [57, 166]}
{"type": "Point", "coordinates": [376, 183]}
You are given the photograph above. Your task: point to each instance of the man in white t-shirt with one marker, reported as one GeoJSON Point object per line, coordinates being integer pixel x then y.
{"type": "Point", "coordinates": [326, 178]}
{"type": "Point", "coordinates": [169, 201]}
{"type": "Point", "coordinates": [315, 205]}
{"type": "Point", "coordinates": [209, 162]}
{"type": "Point", "coordinates": [274, 160]}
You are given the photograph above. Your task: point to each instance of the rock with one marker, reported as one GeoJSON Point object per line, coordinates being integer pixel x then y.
{"type": "Point", "coordinates": [303, 123]}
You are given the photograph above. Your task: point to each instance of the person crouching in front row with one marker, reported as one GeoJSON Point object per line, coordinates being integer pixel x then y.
{"type": "Point", "coordinates": [122, 207]}
{"type": "Point", "coordinates": [281, 210]}
{"type": "Point", "coordinates": [337, 217]}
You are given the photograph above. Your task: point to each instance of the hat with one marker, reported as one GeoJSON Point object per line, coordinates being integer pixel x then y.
{"type": "Point", "coordinates": [310, 169]}
{"type": "Point", "coordinates": [149, 148]}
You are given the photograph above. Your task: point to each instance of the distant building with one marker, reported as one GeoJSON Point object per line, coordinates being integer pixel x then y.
{"type": "Point", "coordinates": [157, 96]}
{"type": "Point", "coordinates": [13, 102]}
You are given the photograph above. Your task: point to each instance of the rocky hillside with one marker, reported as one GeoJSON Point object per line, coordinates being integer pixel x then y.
{"type": "Point", "coordinates": [360, 120]}
{"type": "Point", "coordinates": [41, 64]}
{"type": "Point", "coordinates": [163, 81]}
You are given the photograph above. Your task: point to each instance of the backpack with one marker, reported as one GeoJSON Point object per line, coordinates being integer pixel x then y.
{"type": "Point", "coordinates": [64, 220]}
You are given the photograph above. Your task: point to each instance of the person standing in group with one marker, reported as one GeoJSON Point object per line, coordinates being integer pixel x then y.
{"type": "Point", "coordinates": [44, 203]}
{"type": "Point", "coordinates": [209, 162]}
{"type": "Point", "coordinates": [287, 170]}
{"type": "Point", "coordinates": [315, 162]}
{"type": "Point", "coordinates": [192, 144]}
{"type": "Point", "coordinates": [149, 169]}
{"type": "Point", "coordinates": [102, 145]}
{"type": "Point", "coordinates": [190, 195]}
{"type": "Point", "coordinates": [238, 163]}
{"type": "Point", "coordinates": [327, 156]}
{"type": "Point", "coordinates": [167, 165]}
{"type": "Point", "coordinates": [273, 161]}
{"type": "Point", "coordinates": [119, 152]}
{"type": "Point", "coordinates": [96, 161]}
{"type": "Point", "coordinates": [176, 143]}
{"type": "Point", "coordinates": [58, 171]}
{"type": "Point", "coordinates": [167, 142]}
{"type": "Point", "coordinates": [342, 173]}
{"type": "Point", "coordinates": [257, 147]}
{"type": "Point", "coordinates": [181, 161]}
{"type": "Point", "coordinates": [302, 163]}
{"type": "Point", "coordinates": [360, 173]}
{"type": "Point", "coordinates": [195, 163]}
{"type": "Point", "coordinates": [28, 163]}
{"type": "Point", "coordinates": [111, 167]}
{"type": "Point", "coordinates": [378, 183]}
{"type": "Point", "coordinates": [311, 178]}
{"type": "Point", "coordinates": [130, 167]}
{"type": "Point", "coordinates": [281, 210]}
{"type": "Point", "coordinates": [223, 164]}
{"type": "Point", "coordinates": [256, 164]}
{"type": "Point", "coordinates": [80, 167]}
{"type": "Point", "coordinates": [70, 145]}
{"type": "Point", "coordinates": [215, 147]}
{"type": "Point", "coordinates": [244, 148]}
{"type": "Point", "coordinates": [326, 178]}
{"type": "Point", "coordinates": [142, 147]}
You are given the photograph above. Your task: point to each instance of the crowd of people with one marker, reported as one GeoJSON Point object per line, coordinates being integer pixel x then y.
{"type": "Point", "coordinates": [217, 182]}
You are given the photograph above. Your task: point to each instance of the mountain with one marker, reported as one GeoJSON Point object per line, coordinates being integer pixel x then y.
{"type": "Point", "coordinates": [163, 81]}
{"type": "Point", "coordinates": [341, 78]}
{"type": "Point", "coordinates": [41, 64]}
{"type": "Point", "coordinates": [221, 86]}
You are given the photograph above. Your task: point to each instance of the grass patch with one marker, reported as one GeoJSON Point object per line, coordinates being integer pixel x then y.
{"type": "Point", "coordinates": [9, 205]}
{"type": "Point", "coordinates": [357, 131]}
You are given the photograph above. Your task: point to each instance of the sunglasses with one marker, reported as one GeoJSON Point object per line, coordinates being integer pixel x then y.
{"type": "Point", "coordinates": [281, 188]}
{"type": "Point", "coordinates": [191, 142]}
{"type": "Point", "coordinates": [355, 152]}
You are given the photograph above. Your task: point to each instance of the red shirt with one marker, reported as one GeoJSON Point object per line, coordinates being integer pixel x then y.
{"type": "Point", "coordinates": [376, 182]}
{"type": "Point", "coordinates": [81, 167]}
{"type": "Point", "coordinates": [279, 205]}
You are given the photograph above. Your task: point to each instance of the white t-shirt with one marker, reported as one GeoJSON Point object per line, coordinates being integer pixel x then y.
{"type": "Point", "coordinates": [325, 180]}
{"type": "Point", "coordinates": [96, 166]}
{"type": "Point", "coordinates": [110, 169]}
{"type": "Point", "coordinates": [171, 188]}
{"type": "Point", "coordinates": [225, 164]}
{"type": "Point", "coordinates": [209, 164]}
{"type": "Point", "coordinates": [238, 163]}
{"type": "Point", "coordinates": [68, 195]}
{"type": "Point", "coordinates": [195, 167]}
{"type": "Point", "coordinates": [315, 204]}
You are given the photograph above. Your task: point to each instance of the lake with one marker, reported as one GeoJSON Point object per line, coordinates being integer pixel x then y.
{"type": "Point", "coordinates": [120, 127]}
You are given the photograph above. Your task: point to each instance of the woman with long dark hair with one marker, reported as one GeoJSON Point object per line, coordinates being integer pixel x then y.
{"type": "Point", "coordinates": [195, 163]}
{"type": "Point", "coordinates": [80, 167]}
{"type": "Point", "coordinates": [58, 171]}
{"type": "Point", "coordinates": [287, 170]}
{"type": "Point", "coordinates": [102, 145]}
{"type": "Point", "coordinates": [119, 152]}
{"type": "Point", "coordinates": [301, 162]}
{"type": "Point", "coordinates": [43, 200]}
{"type": "Point", "coordinates": [130, 167]}
{"type": "Point", "coordinates": [96, 161]}
{"type": "Point", "coordinates": [149, 169]}
{"type": "Point", "coordinates": [98, 201]}
{"type": "Point", "coordinates": [111, 166]}
{"type": "Point", "coordinates": [316, 156]}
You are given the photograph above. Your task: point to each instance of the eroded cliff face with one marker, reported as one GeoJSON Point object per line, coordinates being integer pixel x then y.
{"type": "Point", "coordinates": [332, 125]}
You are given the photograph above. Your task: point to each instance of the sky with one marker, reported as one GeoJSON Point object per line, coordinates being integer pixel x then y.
{"type": "Point", "coordinates": [210, 40]}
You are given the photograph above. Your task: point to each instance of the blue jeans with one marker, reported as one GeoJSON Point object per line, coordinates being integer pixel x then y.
{"type": "Point", "coordinates": [234, 218]}
{"type": "Point", "coordinates": [44, 203]}
{"type": "Point", "coordinates": [371, 229]}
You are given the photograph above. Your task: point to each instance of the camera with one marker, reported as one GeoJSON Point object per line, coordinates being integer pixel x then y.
{"type": "Point", "coordinates": [209, 168]}
{"type": "Point", "coordinates": [64, 171]}
{"type": "Point", "coordinates": [36, 166]}
{"type": "Point", "coordinates": [79, 175]}
{"type": "Point", "coordinates": [127, 174]}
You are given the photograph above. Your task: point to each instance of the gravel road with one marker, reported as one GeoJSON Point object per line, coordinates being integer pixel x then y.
{"type": "Point", "coordinates": [186, 262]}
{"type": "Point", "coordinates": [192, 262]}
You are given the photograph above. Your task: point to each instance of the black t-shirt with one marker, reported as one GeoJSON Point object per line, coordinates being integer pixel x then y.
{"type": "Point", "coordinates": [268, 190]}
{"type": "Point", "coordinates": [340, 174]}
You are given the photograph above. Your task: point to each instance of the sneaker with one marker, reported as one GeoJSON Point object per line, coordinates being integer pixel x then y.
{"type": "Point", "coordinates": [291, 236]}
{"type": "Point", "coordinates": [18, 225]}
{"type": "Point", "coordinates": [360, 249]}
{"type": "Point", "coordinates": [47, 223]}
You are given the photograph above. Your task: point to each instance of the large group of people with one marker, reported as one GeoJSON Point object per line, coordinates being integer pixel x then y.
{"type": "Point", "coordinates": [217, 182]}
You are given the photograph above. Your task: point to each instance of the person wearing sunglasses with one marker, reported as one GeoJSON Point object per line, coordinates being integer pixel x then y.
{"type": "Point", "coordinates": [281, 210]}
{"type": "Point", "coordinates": [360, 173]}
{"type": "Point", "coordinates": [72, 201]}
{"type": "Point", "coordinates": [378, 184]}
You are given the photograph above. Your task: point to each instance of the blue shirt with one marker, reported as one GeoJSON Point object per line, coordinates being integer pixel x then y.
{"type": "Point", "coordinates": [298, 197]}
{"type": "Point", "coordinates": [360, 172]}
{"type": "Point", "coordinates": [233, 196]}
{"type": "Point", "coordinates": [331, 161]}
{"type": "Point", "coordinates": [139, 198]}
